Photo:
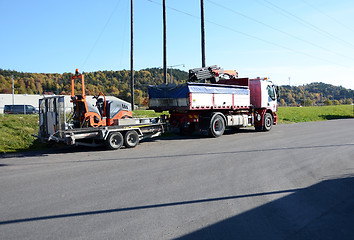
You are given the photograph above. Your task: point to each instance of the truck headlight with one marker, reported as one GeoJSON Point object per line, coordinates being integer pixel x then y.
{"type": "Point", "coordinates": [259, 117]}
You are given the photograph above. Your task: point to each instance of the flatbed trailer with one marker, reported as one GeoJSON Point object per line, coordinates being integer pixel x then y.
{"type": "Point", "coordinates": [54, 125]}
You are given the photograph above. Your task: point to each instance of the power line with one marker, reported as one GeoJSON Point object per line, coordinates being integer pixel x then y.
{"type": "Point", "coordinates": [175, 9]}
{"type": "Point", "coordinates": [100, 34]}
{"type": "Point", "coordinates": [126, 11]}
{"type": "Point", "coordinates": [252, 36]}
{"type": "Point", "coordinates": [328, 16]}
{"type": "Point", "coordinates": [279, 30]}
{"type": "Point", "coordinates": [303, 22]}
{"type": "Point", "coordinates": [277, 45]}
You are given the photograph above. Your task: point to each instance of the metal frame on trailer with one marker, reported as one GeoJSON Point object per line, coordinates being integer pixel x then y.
{"type": "Point", "coordinates": [54, 125]}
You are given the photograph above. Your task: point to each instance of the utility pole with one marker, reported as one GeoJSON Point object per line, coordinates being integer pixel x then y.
{"type": "Point", "coordinates": [164, 44]}
{"type": "Point", "coordinates": [13, 90]}
{"type": "Point", "coordinates": [202, 31]}
{"type": "Point", "coordinates": [131, 54]}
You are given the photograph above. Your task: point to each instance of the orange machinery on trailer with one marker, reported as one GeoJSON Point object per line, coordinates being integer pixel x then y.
{"type": "Point", "coordinates": [102, 113]}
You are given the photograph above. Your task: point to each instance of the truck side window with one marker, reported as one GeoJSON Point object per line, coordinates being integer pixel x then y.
{"type": "Point", "coordinates": [271, 93]}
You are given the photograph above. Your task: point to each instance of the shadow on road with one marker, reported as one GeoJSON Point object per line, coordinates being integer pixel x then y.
{"type": "Point", "coordinates": [142, 207]}
{"type": "Point", "coordinates": [57, 149]}
{"type": "Point", "coordinates": [321, 211]}
{"type": "Point", "coordinates": [62, 148]}
{"type": "Point", "coordinates": [334, 117]}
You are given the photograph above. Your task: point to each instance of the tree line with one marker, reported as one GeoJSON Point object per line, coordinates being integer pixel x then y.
{"type": "Point", "coordinates": [117, 83]}
{"type": "Point", "coordinates": [114, 83]}
{"type": "Point", "coordinates": [314, 94]}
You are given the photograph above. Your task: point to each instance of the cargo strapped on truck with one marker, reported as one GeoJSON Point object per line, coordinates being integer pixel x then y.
{"type": "Point", "coordinates": [203, 74]}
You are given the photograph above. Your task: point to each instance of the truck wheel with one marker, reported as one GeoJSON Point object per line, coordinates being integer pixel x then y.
{"type": "Point", "coordinates": [131, 139]}
{"type": "Point", "coordinates": [114, 141]}
{"type": "Point", "coordinates": [217, 126]}
{"type": "Point", "coordinates": [268, 122]}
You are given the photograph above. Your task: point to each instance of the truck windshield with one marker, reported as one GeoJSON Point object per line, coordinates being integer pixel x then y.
{"type": "Point", "coordinates": [271, 92]}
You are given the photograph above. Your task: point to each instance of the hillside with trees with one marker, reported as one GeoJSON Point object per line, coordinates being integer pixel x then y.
{"type": "Point", "coordinates": [114, 83]}
{"type": "Point", "coordinates": [314, 94]}
{"type": "Point", "coordinates": [117, 83]}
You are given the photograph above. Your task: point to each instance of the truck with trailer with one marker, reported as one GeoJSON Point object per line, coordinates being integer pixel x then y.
{"type": "Point", "coordinates": [214, 99]}
{"type": "Point", "coordinates": [210, 101]}
{"type": "Point", "coordinates": [106, 122]}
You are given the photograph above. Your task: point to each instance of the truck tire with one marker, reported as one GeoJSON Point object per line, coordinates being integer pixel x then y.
{"type": "Point", "coordinates": [131, 139]}
{"type": "Point", "coordinates": [114, 141]}
{"type": "Point", "coordinates": [217, 126]}
{"type": "Point", "coordinates": [267, 122]}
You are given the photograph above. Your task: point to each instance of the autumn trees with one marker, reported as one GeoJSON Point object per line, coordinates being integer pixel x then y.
{"type": "Point", "coordinates": [116, 83]}
{"type": "Point", "coordinates": [315, 94]}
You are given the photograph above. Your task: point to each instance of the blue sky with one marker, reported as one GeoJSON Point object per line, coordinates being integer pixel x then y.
{"type": "Point", "coordinates": [306, 40]}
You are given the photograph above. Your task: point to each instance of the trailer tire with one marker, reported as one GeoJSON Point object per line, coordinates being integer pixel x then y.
{"type": "Point", "coordinates": [114, 141]}
{"type": "Point", "coordinates": [268, 122]}
{"type": "Point", "coordinates": [131, 139]}
{"type": "Point", "coordinates": [217, 126]}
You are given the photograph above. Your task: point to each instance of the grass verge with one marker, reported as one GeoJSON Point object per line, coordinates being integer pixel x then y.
{"type": "Point", "coordinates": [147, 113]}
{"type": "Point", "coordinates": [16, 133]}
{"type": "Point", "coordinates": [309, 114]}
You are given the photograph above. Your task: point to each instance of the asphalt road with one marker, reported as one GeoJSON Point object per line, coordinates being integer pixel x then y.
{"type": "Point", "coordinates": [294, 182]}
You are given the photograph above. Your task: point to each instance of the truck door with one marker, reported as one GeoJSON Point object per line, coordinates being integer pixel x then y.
{"type": "Point", "coordinates": [272, 98]}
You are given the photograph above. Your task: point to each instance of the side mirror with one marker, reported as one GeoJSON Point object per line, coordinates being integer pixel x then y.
{"type": "Point", "coordinates": [277, 91]}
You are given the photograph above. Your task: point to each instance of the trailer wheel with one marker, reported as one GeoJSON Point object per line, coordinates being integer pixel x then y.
{"type": "Point", "coordinates": [114, 141]}
{"type": "Point", "coordinates": [131, 139]}
{"type": "Point", "coordinates": [217, 126]}
{"type": "Point", "coordinates": [268, 122]}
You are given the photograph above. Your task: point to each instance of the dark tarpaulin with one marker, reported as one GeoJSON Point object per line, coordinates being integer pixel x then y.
{"type": "Point", "coordinates": [182, 91]}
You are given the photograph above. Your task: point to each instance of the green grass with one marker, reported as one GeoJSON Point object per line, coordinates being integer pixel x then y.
{"type": "Point", "coordinates": [16, 130]}
{"type": "Point", "coordinates": [147, 113]}
{"type": "Point", "coordinates": [309, 114]}
{"type": "Point", "coordinates": [16, 133]}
